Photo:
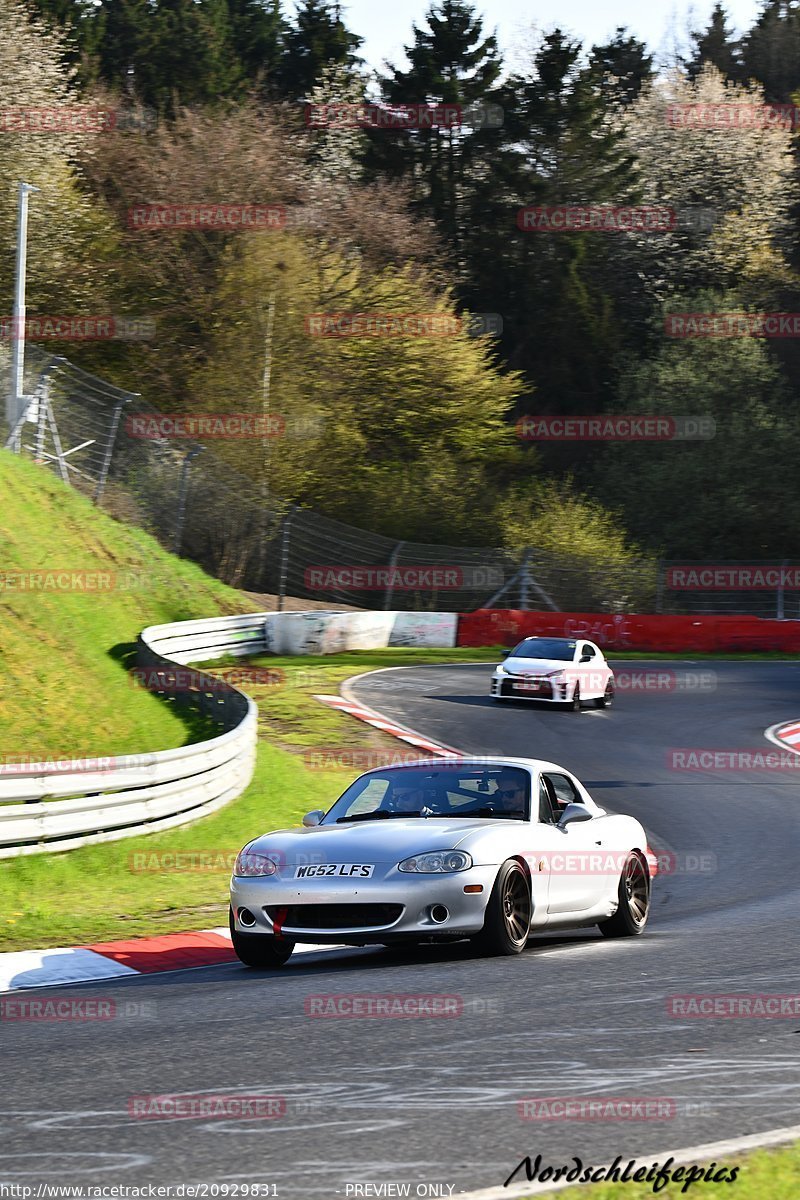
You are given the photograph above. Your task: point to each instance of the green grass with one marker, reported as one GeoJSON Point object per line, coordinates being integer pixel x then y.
{"type": "Point", "coordinates": [132, 888]}
{"type": "Point", "coordinates": [763, 1175]}
{"type": "Point", "coordinates": [64, 687]}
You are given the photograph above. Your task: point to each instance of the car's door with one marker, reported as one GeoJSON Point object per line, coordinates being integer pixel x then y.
{"type": "Point", "coordinates": [576, 868]}
{"type": "Point", "coordinates": [591, 670]}
{"type": "Point", "coordinates": [542, 844]}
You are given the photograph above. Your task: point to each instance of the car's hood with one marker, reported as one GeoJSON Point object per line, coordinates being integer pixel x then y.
{"type": "Point", "coordinates": [536, 666]}
{"type": "Point", "coordinates": [371, 841]}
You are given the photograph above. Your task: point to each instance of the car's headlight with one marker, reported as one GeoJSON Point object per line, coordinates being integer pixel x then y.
{"type": "Point", "coordinates": [500, 670]}
{"type": "Point", "coordinates": [249, 863]}
{"type": "Point", "coordinates": [437, 862]}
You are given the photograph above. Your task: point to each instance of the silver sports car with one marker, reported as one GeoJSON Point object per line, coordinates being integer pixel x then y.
{"type": "Point", "coordinates": [438, 850]}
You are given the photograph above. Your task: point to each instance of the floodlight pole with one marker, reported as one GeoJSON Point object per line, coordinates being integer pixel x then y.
{"type": "Point", "coordinates": [16, 401]}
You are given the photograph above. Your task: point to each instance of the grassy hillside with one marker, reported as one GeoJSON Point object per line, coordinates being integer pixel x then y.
{"type": "Point", "coordinates": [178, 879]}
{"type": "Point", "coordinates": [64, 688]}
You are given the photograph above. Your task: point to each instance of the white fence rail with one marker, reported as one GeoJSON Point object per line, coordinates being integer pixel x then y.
{"type": "Point", "coordinates": [57, 806]}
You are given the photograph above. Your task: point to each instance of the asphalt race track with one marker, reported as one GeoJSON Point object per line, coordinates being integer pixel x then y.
{"type": "Point", "coordinates": [434, 1101]}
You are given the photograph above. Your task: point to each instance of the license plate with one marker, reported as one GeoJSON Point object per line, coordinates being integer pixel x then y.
{"type": "Point", "coordinates": [535, 686]}
{"type": "Point", "coordinates": [334, 871]}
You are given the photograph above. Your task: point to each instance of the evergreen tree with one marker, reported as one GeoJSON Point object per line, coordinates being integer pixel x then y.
{"type": "Point", "coordinates": [621, 67]}
{"type": "Point", "coordinates": [716, 46]}
{"type": "Point", "coordinates": [257, 31]}
{"type": "Point", "coordinates": [172, 53]}
{"type": "Point", "coordinates": [552, 289]}
{"type": "Point", "coordinates": [124, 37]}
{"type": "Point", "coordinates": [318, 39]}
{"type": "Point", "coordinates": [193, 60]}
{"type": "Point", "coordinates": [451, 63]}
{"type": "Point", "coordinates": [771, 50]}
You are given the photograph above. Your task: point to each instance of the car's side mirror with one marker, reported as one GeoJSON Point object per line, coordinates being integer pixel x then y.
{"type": "Point", "coordinates": [574, 812]}
{"type": "Point", "coordinates": [314, 817]}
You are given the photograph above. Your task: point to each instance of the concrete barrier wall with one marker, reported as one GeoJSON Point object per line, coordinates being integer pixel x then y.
{"type": "Point", "coordinates": [323, 632]}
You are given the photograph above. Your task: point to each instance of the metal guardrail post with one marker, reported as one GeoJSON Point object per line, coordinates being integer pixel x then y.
{"type": "Point", "coordinates": [387, 599]}
{"type": "Point", "coordinates": [112, 437]}
{"type": "Point", "coordinates": [182, 491]}
{"type": "Point", "coordinates": [524, 582]}
{"type": "Point", "coordinates": [41, 417]}
{"type": "Point", "coordinates": [287, 521]}
{"type": "Point", "coordinates": [779, 606]}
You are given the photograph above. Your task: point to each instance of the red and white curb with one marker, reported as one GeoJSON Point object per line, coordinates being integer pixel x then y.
{"type": "Point", "coordinates": [22, 969]}
{"type": "Point", "coordinates": [786, 735]}
{"type": "Point", "coordinates": [387, 725]}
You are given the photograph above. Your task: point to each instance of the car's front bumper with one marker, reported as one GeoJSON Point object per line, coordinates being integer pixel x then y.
{"type": "Point", "coordinates": [518, 687]}
{"type": "Point", "coordinates": [392, 905]}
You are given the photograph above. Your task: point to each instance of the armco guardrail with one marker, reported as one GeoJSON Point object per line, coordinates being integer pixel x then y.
{"type": "Point", "coordinates": [46, 807]}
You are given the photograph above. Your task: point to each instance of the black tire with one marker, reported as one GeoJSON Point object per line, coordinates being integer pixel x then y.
{"type": "Point", "coordinates": [508, 913]}
{"type": "Point", "coordinates": [607, 699]}
{"type": "Point", "coordinates": [631, 916]}
{"type": "Point", "coordinates": [261, 951]}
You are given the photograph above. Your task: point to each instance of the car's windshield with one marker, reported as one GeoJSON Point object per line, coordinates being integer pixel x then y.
{"type": "Point", "coordinates": [488, 792]}
{"type": "Point", "coordinates": [540, 647]}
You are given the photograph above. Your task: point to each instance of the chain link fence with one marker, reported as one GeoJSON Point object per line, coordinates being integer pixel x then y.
{"type": "Point", "coordinates": [196, 504]}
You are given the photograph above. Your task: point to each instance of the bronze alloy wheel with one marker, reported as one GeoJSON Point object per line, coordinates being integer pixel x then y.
{"type": "Point", "coordinates": [633, 895]}
{"type": "Point", "coordinates": [637, 889]}
{"type": "Point", "coordinates": [508, 913]}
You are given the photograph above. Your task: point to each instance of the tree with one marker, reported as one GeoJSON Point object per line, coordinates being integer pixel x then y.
{"type": "Point", "coordinates": [336, 153]}
{"type": "Point", "coordinates": [75, 21]}
{"type": "Point", "coordinates": [771, 51]}
{"type": "Point", "coordinates": [318, 38]}
{"type": "Point", "coordinates": [621, 67]}
{"type": "Point", "coordinates": [555, 148]}
{"type": "Point", "coordinates": [708, 498]}
{"type": "Point", "coordinates": [70, 237]}
{"type": "Point", "coordinates": [451, 63]}
{"type": "Point", "coordinates": [742, 179]}
{"type": "Point", "coordinates": [419, 420]}
{"type": "Point", "coordinates": [716, 46]}
{"type": "Point", "coordinates": [173, 53]}
{"type": "Point", "coordinates": [248, 152]}
{"type": "Point", "coordinates": [257, 30]}
{"type": "Point", "coordinates": [123, 38]}
{"type": "Point", "coordinates": [582, 554]}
